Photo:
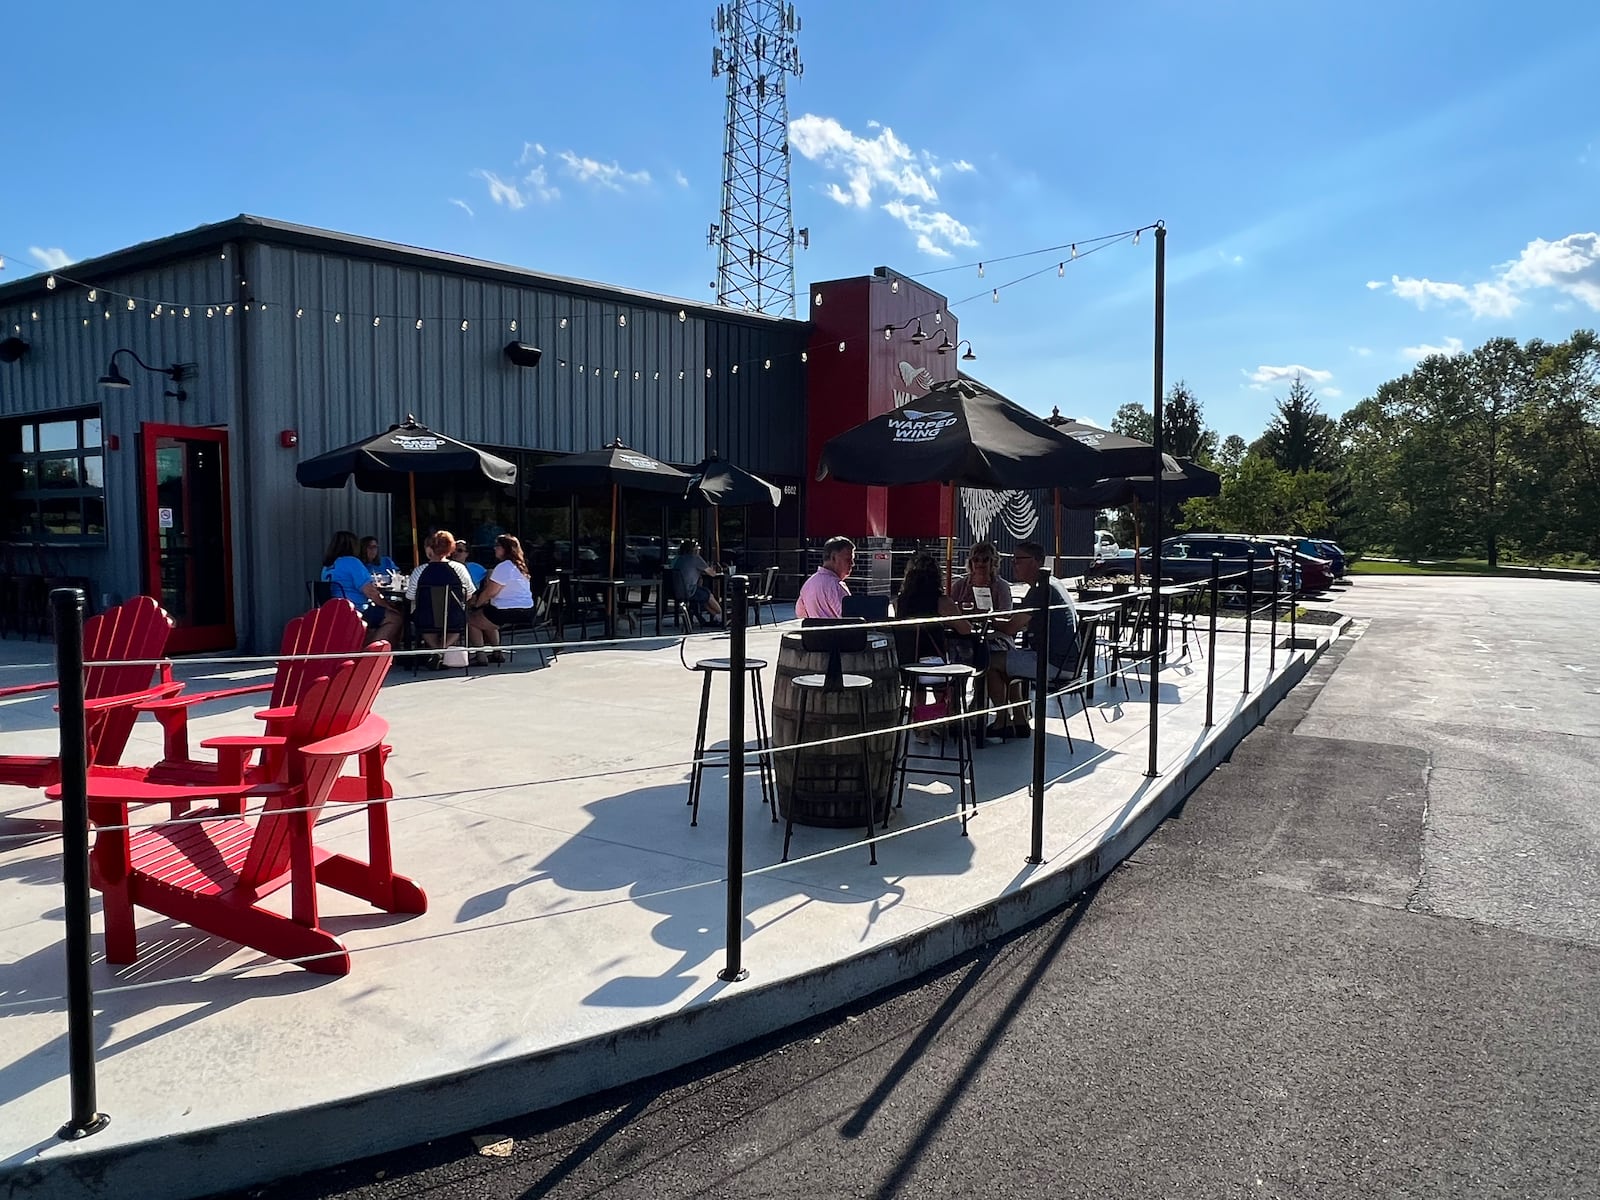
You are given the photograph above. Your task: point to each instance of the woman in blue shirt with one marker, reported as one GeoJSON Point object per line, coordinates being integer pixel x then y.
{"type": "Point", "coordinates": [351, 580]}
{"type": "Point", "coordinates": [378, 563]}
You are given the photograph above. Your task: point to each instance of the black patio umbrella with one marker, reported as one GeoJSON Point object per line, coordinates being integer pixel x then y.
{"type": "Point", "coordinates": [391, 462]}
{"type": "Point", "coordinates": [1121, 455]}
{"type": "Point", "coordinates": [963, 434]}
{"type": "Point", "coordinates": [718, 482]}
{"type": "Point", "coordinates": [1188, 482]}
{"type": "Point", "coordinates": [615, 467]}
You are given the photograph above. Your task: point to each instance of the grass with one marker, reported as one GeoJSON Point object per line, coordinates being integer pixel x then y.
{"type": "Point", "coordinates": [1449, 566]}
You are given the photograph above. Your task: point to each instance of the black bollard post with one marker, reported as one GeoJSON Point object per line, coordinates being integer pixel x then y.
{"type": "Point", "coordinates": [738, 616]}
{"type": "Point", "coordinates": [1249, 607]}
{"type": "Point", "coordinates": [1211, 645]}
{"type": "Point", "coordinates": [1277, 588]}
{"type": "Point", "coordinates": [1041, 684]}
{"type": "Point", "coordinates": [1294, 612]}
{"type": "Point", "coordinates": [67, 607]}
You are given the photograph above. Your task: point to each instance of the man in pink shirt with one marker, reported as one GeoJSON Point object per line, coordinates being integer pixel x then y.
{"type": "Point", "coordinates": [823, 594]}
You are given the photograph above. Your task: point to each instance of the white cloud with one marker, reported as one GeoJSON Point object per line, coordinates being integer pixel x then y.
{"type": "Point", "coordinates": [609, 175]}
{"type": "Point", "coordinates": [1265, 375]}
{"type": "Point", "coordinates": [463, 206]}
{"type": "Point", "coordinates": [530, 151]}
{"type": "Point", "coordinates": [871, 166]}
{"type": "Point", "coordinates": [502, 192]}
{"type": "Point", "coordinates": [1361, 351]}
{"type": "Point", "coordinates": [1374, 284]}
{"type": "Point", "coordinates": [51, 258]}
{"type": "Point", "coordinates": [1569, 266]}
{"type": "Point", "coordinates": [541, 185]}
{"type": "Point", "coordinates": [930, 226]}
{"type": "Point", "coordinates": [1483, 299]}
{"type": "Point", "coordinates": [1452, 346]}
{"type": "Point", "coordinates": [679, 178]}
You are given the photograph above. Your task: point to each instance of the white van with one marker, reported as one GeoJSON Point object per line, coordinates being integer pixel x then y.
{"type": "Point", "coordinates": [1105, 546]}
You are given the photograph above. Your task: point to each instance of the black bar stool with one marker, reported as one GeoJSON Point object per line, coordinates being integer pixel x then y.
{"type": "Point", "coordinates": [834, 641]}
{"type": "Point", "coordinates": [951, 680]}
{"type": "Point", "coordinates": [753, 667]}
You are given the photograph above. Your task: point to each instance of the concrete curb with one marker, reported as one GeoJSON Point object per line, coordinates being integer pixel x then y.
{"type": "Point", "coordinates": [251, 1152]}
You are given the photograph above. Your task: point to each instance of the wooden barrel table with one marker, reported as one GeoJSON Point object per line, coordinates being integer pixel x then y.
{"type": "Point", "coordinates": [832, 795]}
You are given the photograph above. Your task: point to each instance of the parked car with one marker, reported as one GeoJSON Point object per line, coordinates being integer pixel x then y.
{"type": "Point", "coordinates": [1187, 558]}
{"type": "Point", "coordinates": [1322, 548]}
{"type": "Point", "coordinates": [1312, 572]}
{"type": "Point", "coordinates": [1105, 546]}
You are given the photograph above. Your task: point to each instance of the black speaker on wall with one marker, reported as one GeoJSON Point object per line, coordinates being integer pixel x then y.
{"type": "Point", "coordinates": [13, 348]}
{"type": "Point", "coordinates": [522, 354]}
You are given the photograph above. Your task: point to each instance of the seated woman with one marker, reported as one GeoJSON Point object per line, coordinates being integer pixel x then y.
{"type": "Point", "coordinates": [377, 562]}
{"type": "Point", "coordinates": [438, 627]}
{"type": "Point", "coordinates": [981, 581]}
{"type": "Point", "coordinates": [351, 580]}
{"type": "Point", "coordinates": [922, 595]}
{"type": "Point", "coordinates": [506, 595]}
{"type": "Point", "coordinates": [476, 571]}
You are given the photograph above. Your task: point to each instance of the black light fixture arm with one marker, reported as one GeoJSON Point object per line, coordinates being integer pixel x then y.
{"type": "Point", "coordinates": [177, 372]}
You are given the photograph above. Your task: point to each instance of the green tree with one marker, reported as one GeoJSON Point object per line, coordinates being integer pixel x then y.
{"type": "Point", "coordinates": [1300, 437]}
{"type": "Point", "coordinates": [1183, 426]}
{"type": "Point", "coordinates": [1133, 420]}
{"type": "Point", "coordinates": [1232, 451]}
{"type": "Point", "coordinates": [1258, 496]}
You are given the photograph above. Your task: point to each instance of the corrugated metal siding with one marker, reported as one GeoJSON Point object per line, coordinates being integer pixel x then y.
{"type": "Point", "coordinates": [756, 417]}
{"type": "Point", "coordinates": [72, 340]}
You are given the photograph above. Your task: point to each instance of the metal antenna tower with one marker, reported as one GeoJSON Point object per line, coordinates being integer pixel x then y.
{"type": "Point", "coordinates": [755, 238]}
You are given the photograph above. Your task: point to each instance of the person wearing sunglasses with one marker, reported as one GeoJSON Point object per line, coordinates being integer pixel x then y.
{"type": "Point", "coordinates": [1020, 665]}
{"type": "Point", "coordinates": [982, 561]}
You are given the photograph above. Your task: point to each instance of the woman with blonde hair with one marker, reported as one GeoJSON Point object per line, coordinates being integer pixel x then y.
{"type": "Point", "coordinates": [506, 594]}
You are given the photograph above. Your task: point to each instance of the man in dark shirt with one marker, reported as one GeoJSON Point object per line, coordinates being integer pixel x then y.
{"type": "Point", "coordinates": [1023, 664]}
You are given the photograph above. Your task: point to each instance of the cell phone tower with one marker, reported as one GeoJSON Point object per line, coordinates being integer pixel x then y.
{"type": "Point", "coordinates": [755, 238]}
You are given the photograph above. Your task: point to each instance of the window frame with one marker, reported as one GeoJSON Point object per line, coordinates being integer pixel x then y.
{"type": "Point", "coordinates": [25, 490]}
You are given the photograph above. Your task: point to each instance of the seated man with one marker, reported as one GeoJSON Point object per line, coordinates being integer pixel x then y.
{"type": "Point", "coordinates": [823, 594]}
{"type": "Point", "coordinates": [1017, 665]}
{"type": "Point", "coordinates": [693, 569]}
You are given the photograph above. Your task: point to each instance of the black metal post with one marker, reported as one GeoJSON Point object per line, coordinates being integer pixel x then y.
{"type": "Point", "coordinates": [1277, 588]}
{"type": "Point", "coordinates": [1211, 645]}
{"type": "Point", "coordinates": [738, 588]}
{"type": "Point", "coordinates": [67, 607]}
{"type": "Point", "coordinates": [1249, 607]}
{"type": "Point", "coordinates": [1041, 706]}
{"type": "Point", "coordinates": [1294, 609]}
{"type": "Point", "coordinates": [1157, 624]}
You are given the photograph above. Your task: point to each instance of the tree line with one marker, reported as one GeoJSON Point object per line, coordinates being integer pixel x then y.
{"type": "Point", "coordinates": [1493, 454]}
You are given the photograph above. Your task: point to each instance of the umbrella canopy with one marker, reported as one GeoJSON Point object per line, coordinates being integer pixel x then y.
{"type": "Point", "coordinates": [387, 462]}
{"type": "Point", "coordinates": [719, 482]}
{"type": "Point", "coordinates": [615, 465]}
{"type": "Point", "coordinates": [392, 461]}
{"type": "Point", "coordinates": [1121, 455]}
{"type": "Point", "coordinates": [964, 434]}
{"type": "Point", "coordinates": [1187, 482]}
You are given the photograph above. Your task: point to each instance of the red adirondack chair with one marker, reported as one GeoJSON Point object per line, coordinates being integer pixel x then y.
{"type": "Point", "coordinates": [136, 630]}
{"type": "Point", "coordinates": [213, 869]}
{"type": "Point", "coordinates": [333, 628]}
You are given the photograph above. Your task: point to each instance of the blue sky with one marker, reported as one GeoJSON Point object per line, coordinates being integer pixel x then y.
{"type": "Point", "coordinates": [1345, 186]}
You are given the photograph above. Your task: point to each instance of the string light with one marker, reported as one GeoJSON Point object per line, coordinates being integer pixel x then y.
{"type": "Point", "coordinates": [1061, 269]}
{"type": "Point", "coordinates": [50, 282]}
{"type": "Point", "coordinates": [156, 311]}
{"type": "Point", "coordinates": [464, 326]}
{"type": "Point", "coordinates": [131, 304]}
{"type": "Point", "coordinates": [996, 295]}
{"type": "Point", "coordinates": [841, 347]}
{"type": "Point", "coordinates": [210, 311]}
{"type": "Point", "coordinates": [622, 320]}
{"type": "Point", "coordinates": [228, 312]}
{"type": "Point", "coordinates": [980, 270]}
{"type": "Point", "coordinates": [563, 322]}
{"type": "Point", "coordinates": [419, 322]}
{"type": "Point", "coordinates": [338, 318]}
{"type": "Point", "coordinates": [513, 325]}
{"type": "Point", "coordinates": [376, 321]}
{"type": "Point", "coordinates": [1074, 249]}
{"type": "Point", "coordinates": [298, 313]}
{"type": "Point", "coordinates": [185, 310]}
{"type": "Point", "coordinates": [735, 368]}
{"type": "Point", "coordinates": [804, 357]}
{"type": "Point", "coordinates": [895, 287]}
{"type": "Point", "coordinates": [94, 295]}
{"type": "Point", "coordinates": [1135, 237]}
{"type": "Point", "coordinates": [767, 365]}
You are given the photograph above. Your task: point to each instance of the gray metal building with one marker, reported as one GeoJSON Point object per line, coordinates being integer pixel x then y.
{"type": "Point", "coordinates": [270, 342]}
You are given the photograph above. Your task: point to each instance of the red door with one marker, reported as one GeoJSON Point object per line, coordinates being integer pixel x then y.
{"type": "Point", "coordinates": [188, 533]}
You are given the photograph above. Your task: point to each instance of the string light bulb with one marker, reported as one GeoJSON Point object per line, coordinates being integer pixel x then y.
{"type": "Point", "coordinates": [563, 322]}
{"type": "Point", "coordinates": [94, 294]}
{"type": "Point", "coordinates": [888, 332]}
{"type": "Point", "coordinates": [735, 368]}
{"type": "Point", "coordinates": [298, 313]}
{"type": "Point", "coordinates": [804, 357]}
{"type": "Point", "coordinates": [131, 304]}
{"type": "Point", "coordinates": [228, 312]}
{"type": "Point", "coordinates": [376, 321]}
{"type": "Point", "coordinates": [1135, 237]}
{"type": "Point", "coordinates": [622, 320]}
{"type": "Point", "coordinates": [210, 311]}
{"type": "Point", "coordinates": [767, 366]}
{"type": "Point", "coordinates": [513, 326]}
{"type": "Point", "coordinates": [419, 322]}
{"type": "Point", "coordinates": [894, 286]}
{"type": "Point", "coordinates": [995, 295]}
{"type": "Point", "coordinates": [338, 318]}
{"type": "Point", "coordinates": [463, 326]}
{"type": "Point", "coordinates": [682, 316]}
{"type": "Point", "coordinates": [1061, 269]}
{"type": "Point", "coordinates": [185, 310]}
{"type": "Point", "coordinates": [50, 282]}
{"type": "Point", "coordinates": [841, 347]}
{"type": "Point", "coordinates": [980, 270]}
{"type": "Point", "coordinates": [1074, 253]}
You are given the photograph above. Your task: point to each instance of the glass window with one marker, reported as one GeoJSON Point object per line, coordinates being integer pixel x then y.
{"type": "Point", "coordinates": [53, 485]}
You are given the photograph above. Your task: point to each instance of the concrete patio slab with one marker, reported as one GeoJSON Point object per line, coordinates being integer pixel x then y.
{"type": "Point", "coordinates": [576, 922]}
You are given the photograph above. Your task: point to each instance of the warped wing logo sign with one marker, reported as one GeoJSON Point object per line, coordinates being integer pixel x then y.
{"type": "Point", "coordinates": [412, 442]}
{"type": "Point", "coordinates": [639, 461]}
{"type": "Point", "coordinates": [1014, 508]}
{"type": "Point", "coordinates": [914, 425]}
{"type": "Point", "coordinates": [918, 382]}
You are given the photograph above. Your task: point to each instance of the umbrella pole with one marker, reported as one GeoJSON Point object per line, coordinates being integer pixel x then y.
{"type": "Point", "coordinates": [716, 533]}
{"type": "Point", "coordinates": [613, 571]}
{"type": "Point", "coordinates": [950, 542]}
{"type": "Point", "coordinates": [411, 486]}
{"type": "Point", "coordinates": [1057, 493]}
{"type": "Point", "coordinates": [1135, 507]}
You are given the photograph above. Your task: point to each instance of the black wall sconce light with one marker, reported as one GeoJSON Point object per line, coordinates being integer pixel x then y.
{"type": "Point", "coordinates": [12, 349]}
{"type": "Point", "coordinates": [523, 355]}
{"type": "Point", "coordinates": [177, 372]}
{"type": "Point", "coordinates": [916, 338]}
{"type": "Point", "coordinates": [946, 346]}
